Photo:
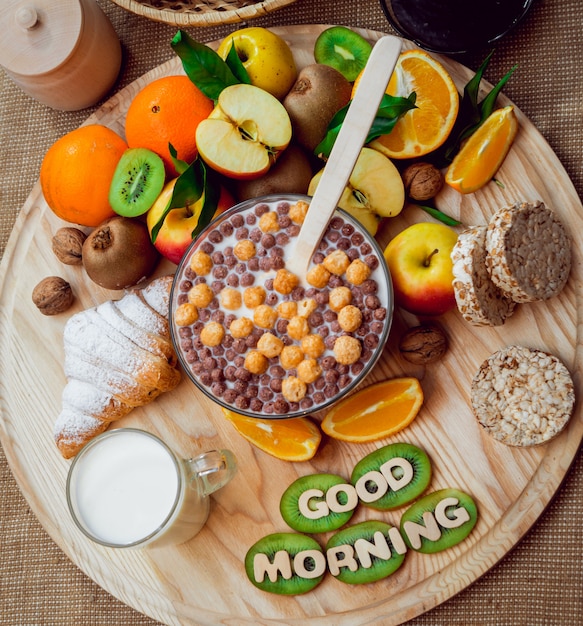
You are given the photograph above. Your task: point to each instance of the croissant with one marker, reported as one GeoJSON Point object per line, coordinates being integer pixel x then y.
{"type": "Point", "coordinates": [118, 356]}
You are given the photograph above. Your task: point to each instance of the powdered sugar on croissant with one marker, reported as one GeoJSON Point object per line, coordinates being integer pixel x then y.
{"type": "Point", "coordinates": [118, 356]}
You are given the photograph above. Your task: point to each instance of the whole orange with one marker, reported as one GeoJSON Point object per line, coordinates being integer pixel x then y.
{"type": "Point", "coordinates": [76, 173]}
{"type": "Point", "coordinates": [167, 110]}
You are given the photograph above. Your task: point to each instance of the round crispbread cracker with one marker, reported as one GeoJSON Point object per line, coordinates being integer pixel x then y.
{"type": "Point", "coordinates": [478, 299]}
{"type": "Point", "coordinates": [522, 396]}
{"type": "Point", "coordinates": [529, 252]}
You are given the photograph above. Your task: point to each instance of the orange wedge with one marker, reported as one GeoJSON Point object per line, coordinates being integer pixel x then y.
{"type": "Point", "coordinates": [380, 410]}
{"type": "Point", "coordinates": [483, 153]}
{"type": "Point", "coordinates": [425, 128]}
{"type": "Point", "coordinates": [293, 439]}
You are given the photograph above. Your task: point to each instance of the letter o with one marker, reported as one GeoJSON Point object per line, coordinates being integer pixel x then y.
{"type": "Point", "coordinates": [378, 479]}
{"type": "Point", "coordinates": [332, 498]}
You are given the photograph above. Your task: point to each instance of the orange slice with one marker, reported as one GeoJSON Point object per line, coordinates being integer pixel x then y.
{"type": "Point", "coordinates": [375, 412]}
{"type": "Point", "coordinates": [292, 439]}
{"type": "Point", "coordinates": [425, 128]}
{"type": "Point", "coordinates": [483, 153]}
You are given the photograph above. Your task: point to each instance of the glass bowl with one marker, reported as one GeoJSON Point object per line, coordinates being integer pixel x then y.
{"type": "Point", "coordinates": [282, 357]}
{"type": "Point", "coordinates": [454, 26]}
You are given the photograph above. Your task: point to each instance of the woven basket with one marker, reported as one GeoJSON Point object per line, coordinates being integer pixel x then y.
{"type": "Point", "coordinates": [201, 12]}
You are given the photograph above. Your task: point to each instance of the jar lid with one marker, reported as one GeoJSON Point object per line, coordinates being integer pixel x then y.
{"type": "Point", "coordinates": [38, 35]}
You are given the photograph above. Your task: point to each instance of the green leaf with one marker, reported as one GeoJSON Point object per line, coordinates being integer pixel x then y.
{"type": "Point", "coordinates": [390, 110]}
{"type": "Point", "coordinates": [236, 66]}
{"type": "Point", "coordinates": [205, 68]}
{"type": "Point", "coordinates": [440, 215]}
{"type": "Point", "coordinates": [179, 165]}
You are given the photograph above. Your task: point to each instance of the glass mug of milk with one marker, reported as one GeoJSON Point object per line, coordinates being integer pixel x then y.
{"type": "Point", "coordinates": [127, 489]}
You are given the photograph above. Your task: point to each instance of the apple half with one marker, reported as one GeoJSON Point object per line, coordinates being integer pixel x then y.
{"type": "Point", "coordinates": [245, 132]}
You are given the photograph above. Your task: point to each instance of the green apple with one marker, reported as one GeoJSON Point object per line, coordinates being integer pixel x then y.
{"type": "Point", "coordinates": [175, 235]}
{"type": "Point", "coordinates": [419, 260]}
{"type": "Point", "coordinates": [267, 58]}
{"type": "Point", "coordinates": [374, 190]}
{"type": "Point", "coordinates": [244, 133]}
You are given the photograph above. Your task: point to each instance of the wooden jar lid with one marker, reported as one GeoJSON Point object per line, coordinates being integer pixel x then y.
{"type": "Point", "coordinates": [38, 35]}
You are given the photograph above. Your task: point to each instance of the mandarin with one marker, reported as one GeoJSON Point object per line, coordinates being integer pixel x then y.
{"type": "Point", "coordinates": [167, 110]}
{"type": "Point", "coordinates": [76, 173]}
{"type": "Point", "coordinates": [425, 128]}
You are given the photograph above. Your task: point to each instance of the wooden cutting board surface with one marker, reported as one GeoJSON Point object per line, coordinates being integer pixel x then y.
{"type": "Point", "coordinates": [203, 581]}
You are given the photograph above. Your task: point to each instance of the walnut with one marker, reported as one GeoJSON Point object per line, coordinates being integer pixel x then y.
{"type": "Point", "coordinates": [422, 181]}
{"type": "Point", "coordinates": [68, 245]}
{"type": "Point", "coordinates": [53, 295]}
{"type": "Point", "coordinates": [423, 344]}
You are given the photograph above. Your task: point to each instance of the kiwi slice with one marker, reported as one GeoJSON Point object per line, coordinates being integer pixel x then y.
{"type": "Point", "coordinates": [439, 520]}
{"type": "Point", "coordinates": [343, 49]}
{"type": "Point", "coordinates": [318, 503]}
{"type": "Point", "coordinates": [392, 476]}
{"type": "Point", "coordinates": [365, 552]}
{"type": "Point", "coordinates": [137, 181]}
{"type": "Point", "coordinates": [285, 563]}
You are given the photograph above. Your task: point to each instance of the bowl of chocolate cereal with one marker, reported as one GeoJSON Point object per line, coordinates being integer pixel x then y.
{"type": "Point", "coordinates": [264, 342]}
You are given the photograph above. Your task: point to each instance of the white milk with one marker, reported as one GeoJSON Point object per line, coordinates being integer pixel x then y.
{"type": "Point", "coordinates": [130, 486]}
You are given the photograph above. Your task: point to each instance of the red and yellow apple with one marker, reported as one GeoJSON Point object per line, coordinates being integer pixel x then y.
{"type": "Point", "coordinates": [267, 58]}
{"type": "Point", "coordinates": [419, 260]}
{"type": "Point", "coordinates": [175, 235]}
{"type": "Point", "coordinates": [245, 132]}
{"type": "Point", "coordinates": [374, 190]}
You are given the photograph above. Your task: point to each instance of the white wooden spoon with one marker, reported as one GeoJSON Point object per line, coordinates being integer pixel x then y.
{"type": "Point", "coordinates": [344, 154]}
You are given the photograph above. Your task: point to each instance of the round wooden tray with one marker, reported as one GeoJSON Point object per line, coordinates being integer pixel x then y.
{"type": "Point", "coordinates": [203, 581]}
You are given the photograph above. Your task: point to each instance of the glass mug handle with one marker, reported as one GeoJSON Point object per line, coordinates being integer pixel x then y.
{"type": "Point", "coordinates": [214, 469]}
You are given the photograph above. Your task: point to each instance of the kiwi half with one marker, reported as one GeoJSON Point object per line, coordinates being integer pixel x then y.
{"type": "Point", "coordinates": [137, 181]}
{"type": "Point", "coordinates": [343, 49]}
{"type": "Point", "coordinates": [313, 491]}
{"type": "Point", "coordinates": [389, 469]}
{"type": "Point", "coordinates": [286, 563]}
{"type": "Point", "coordinates": [365, 553]}
{"type": "Point", "coordinates": [439, 520]}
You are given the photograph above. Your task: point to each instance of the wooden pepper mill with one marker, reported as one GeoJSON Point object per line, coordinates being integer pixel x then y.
{"type": "Point", "coordinates": [64, 54]}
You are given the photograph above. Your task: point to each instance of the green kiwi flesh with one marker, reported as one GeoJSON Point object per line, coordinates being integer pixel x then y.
{"type": "Point", "coordinates": [365, 552]}
{"type": "Point", "coordinates": [389, 465]}
{"type": "Point", "coordinates": [343, 49]}
{"type": "Point", "coordinates": [439, 520]}
{"type": "Point", "coordinates": [137, 181]}
{"type": "Point", "coordinates": [314, 488]}
{"type": "Point", "coordinates": [285, 563]}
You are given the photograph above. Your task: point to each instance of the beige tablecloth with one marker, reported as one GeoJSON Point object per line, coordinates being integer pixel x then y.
{"type": "Point", "coordinates": [541, 581]}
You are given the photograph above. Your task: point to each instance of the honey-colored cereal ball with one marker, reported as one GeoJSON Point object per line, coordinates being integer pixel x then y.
{"type": "Point", "coordinates": [298, 327]}
{"type": "Point", "coordinates": [297, 212]}
{"type": "Point", "coordinates": [186, 314]}
{"type": "Point", "coordinates": [212, 334]}
{"type": "Point", "coordinates": [201, 263]}
{"type": "Point", "coordinates": [268, 222]}
{"type": "Point", "coordinates": [285, 281]}
{"type": "Point", "coordinates": [256, 362]}
{"type": "Point", "coordinates": [293, 389]}
{"type": "Point", "coordinates": [349, 318]}
{"type": "Point", "coordinates": [313, 345]}
{"type": "Point", "coordinates": [309, 370]}
{"type": "Point", "coordinates": [254, 296]}
{"type": "Point", "coordinates": [336, 262]}
{"type": "Point", "coordinates": [306, 307]}
{"type": "Point", "coordinates": [269, 345]}
{"type": "Point", "coordinates": [264, 316]}
{"type": "Point", "coordinates": [200, 295]}
{"type": "Point", "coordinates": [347, 350]}
{"type": "Point", "coordinates": [287, 309]}
{"type": "Point", "coordinates": [290, 356]}
{"type": "Point", "coordinates": [241, 327]}
{"type": "Point", "coordinates": [357, 272]}
{"type": "Point", "coordinates": [244, 250]}
{"type": "Point", "coordinates": [339, 298]}
{"type": "Point", "coordinates": [318, 276]}
{"type": "Point", "coordinates": [230, 299]}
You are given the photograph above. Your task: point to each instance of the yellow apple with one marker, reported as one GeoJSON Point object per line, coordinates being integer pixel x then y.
{"type": "Point", "coordinates": [176, 233]}
{"type": "Point", "coordinates": [245, 132]}
{"type": "Point", "coordinates": [267, 58]}
{"type": "Point", "coordinates": [374, 190]}
{"type": "Point", "coordinates": [419, 260]}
